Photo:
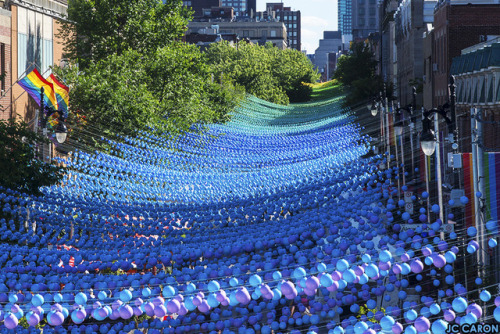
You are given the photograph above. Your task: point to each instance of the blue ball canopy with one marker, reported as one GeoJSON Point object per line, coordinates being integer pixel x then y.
{"type": "Point", "coordinates": [281, 218]}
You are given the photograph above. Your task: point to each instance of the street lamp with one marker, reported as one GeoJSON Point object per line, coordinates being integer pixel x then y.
{"type": "Point", "coordinates": [379, 105]}
{"type": "Point", "coordinates": [61, 130]}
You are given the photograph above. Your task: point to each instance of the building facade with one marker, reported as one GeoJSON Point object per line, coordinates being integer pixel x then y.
{"type": "Point", "coordinates": [330, 45]}
{"type": "Point", "coordinates": [364, 18]}
{"type": "Point", "coordinates": [411, 19]}
{"type": "Point", "coordinates": [458, 25]}
{"type": "Point", "coordinates": [5, 62]}
{"type": "Point", "coordinates": [257, 32]}
{"type": "Point", "coordinates": [345, 17]}
{"type": "Point", "coordinates": [291, 19]}
{"type": "Point", "coordinates": [33, 44]}
{"type": "Point", "coordinates": [199, 5]}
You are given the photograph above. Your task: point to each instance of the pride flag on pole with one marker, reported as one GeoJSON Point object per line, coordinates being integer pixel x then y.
{"type": "Point", "coordinates": [33, 82]}
{"type": "Point", "coordinates": [62, 93]}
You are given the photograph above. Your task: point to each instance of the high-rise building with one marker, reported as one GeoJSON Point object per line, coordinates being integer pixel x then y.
{"type": "Point", "coordinates": [364, 18]}
{"type": "Point", "coordinates": [199, 5]}
{"type": "Point", "coordinates": [291, 19]}
{"type": "Point", "coordinates": [345, 17]}
{"type": "Point", "coordinates": [328, 47]}
{"type": "Point", "coordinates": [240, 6]}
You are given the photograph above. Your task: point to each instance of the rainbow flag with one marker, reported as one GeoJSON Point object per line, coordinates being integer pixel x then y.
{"type": "Point", "coordinates": [470, 210]}
{"type": "Point", "coordinates": [33, 82]}
{"type": "Point", "coordinates": [62, 93]}
{"type": "Point", "coordinates": [492, 185]}
{"type": "Point", "coordinates": [491, 172]}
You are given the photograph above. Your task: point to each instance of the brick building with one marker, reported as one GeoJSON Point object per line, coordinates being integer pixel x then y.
{"type": "Point", "coordinates": [291, 19]}
{"type": "Point", "coordinates": [5, 63]}
{"type": "Point", "coordinates": [458, 25]}
{"type": "Point", "coordinates": [33, 44]}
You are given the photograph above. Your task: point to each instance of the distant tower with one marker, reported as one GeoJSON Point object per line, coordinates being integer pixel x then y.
{"type": "Point", "coordinates": [251, 7]}
{"type": "Point", "coordinates": [291, 19]}
{"type": "Point", "coordinates": [199, 5]}
{"type": "Point", "coordinates": [240, 6]}
{"type": "Point", "coordinates": [345, 17]}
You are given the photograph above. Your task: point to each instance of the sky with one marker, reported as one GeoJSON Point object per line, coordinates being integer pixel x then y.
{"type": "Point", "coordinates": [317, 16]}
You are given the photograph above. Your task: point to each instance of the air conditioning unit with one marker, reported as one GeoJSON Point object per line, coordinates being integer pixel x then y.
{"type": "Point", "coordinates": [455, 195]}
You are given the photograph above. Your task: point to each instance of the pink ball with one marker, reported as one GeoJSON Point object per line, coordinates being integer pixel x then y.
{"type": "Point", "coordinates": [57, 318]}
{"type": "Point", "coordinates": [243, 296]}
{"type": "Point", "coordinates": [11, 321]}
{"type": "Point", "coordinates": [475, 309]}
{"type": "Point", "coordinates": [397, 328]}
{"type": "Point", "coordinates": [173, 306]}
{"type": "Point", "coordinates": [204, 307]}
{"type": "Point", "coordinates": [160, 311]}
{"type": "Point", "coordinates": [396, 269]}
{"type": "Point", "coordinates": [312, 283]}
{"type": "Point", "coordinates": [417, 266]}
{"type": "Point", "coordinates": [33, 320]}
{"type": "Point", "coordinates": [220, 296]}
{"type": "Point", "coordinates": [439, 261]}
{"type": "Point", "coordinates": [126, 312]}
{"type": "Point", "coordinates": [137, 311]}
{"type": "Point", "coordinates": [422, 324]}
{"type": "Point", "coordinates": [182, 310]}
{"type": "Point", "coordinates": [197, 300]}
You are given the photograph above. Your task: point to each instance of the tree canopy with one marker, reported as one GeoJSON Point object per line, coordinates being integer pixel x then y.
{"type": "Point", "coordinates": [20, 168]}
{"type": "Point", "coordinates": [265, 71]}
{"type": "Point", "coordinates": [97, 29]}
{"type": "Point", "coordinates": [356, 71]}
{"type": "Point", "coordinates": [169, 89]}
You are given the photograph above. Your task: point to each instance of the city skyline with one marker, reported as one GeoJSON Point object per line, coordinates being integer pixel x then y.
{"type": "Point", "coordinates": [317, 16]}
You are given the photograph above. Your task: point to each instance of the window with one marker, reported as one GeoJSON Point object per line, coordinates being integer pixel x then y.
{"type": "Point", "coordinates": [273, 33]}
{"type": "Point", "coordinates": [372, 11]}
{"type": "Point", "coordinates": [246, 33]}
{"type": "Point", "coordinates": [373, 22]}
{"type": "Point", "coordinates": [264, 33]}
{"type": "Point", "coordinates": [361, 22]}
{"type": "Point", "coordinates": [295, 25]}
{"type": "Point", "coordinates": [361, 11]}
{"type": "Point", "coordinates": [361, 2]}
{"type": "Point", "coordinates": [34, 42]}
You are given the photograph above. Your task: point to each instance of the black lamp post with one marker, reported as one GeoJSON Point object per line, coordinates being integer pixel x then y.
{"type": "Point", "coordinates": [61, 130]}
{"type": "Point", "coordinates": [377, 106]}
{"type": "Point", "coordinates": [429, 142]}
{"type": "Point", "coordinates": [399, 128]}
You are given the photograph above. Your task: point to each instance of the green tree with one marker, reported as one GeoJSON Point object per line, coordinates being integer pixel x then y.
{"type": "Point", "coordinates": [20, 169]}
{"type": "Point", "coordinates": [169, 89]}
{"type": "Point", "coordinates": [265, 71]}
{"type": "Point", "coordinates": [97, 29]}
{"type": "Point", "coordinates": [356, 72]}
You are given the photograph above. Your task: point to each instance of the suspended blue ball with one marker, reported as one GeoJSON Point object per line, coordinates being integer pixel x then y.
{"type": "Point", "coordinates": [425, 194]}
{"type": "Point", "coordinates": [435, 208]}
{"type": "Point", "coordinates": [496, 314]}
{"type": "Point", "coordinates": [81, 298]}
{"type": "Point", "coordinates": [491, 225]}
{"type": "Point", "coordinates": [459, 304]}
{"type": "Point", "coordinates": [485, 295]}
{"type": "Point", "coordinates": [464, 200]}
{"type": "Point", "coordinates": [471, 231]}
{"type": "Point", "coordinates": [492, 243]}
